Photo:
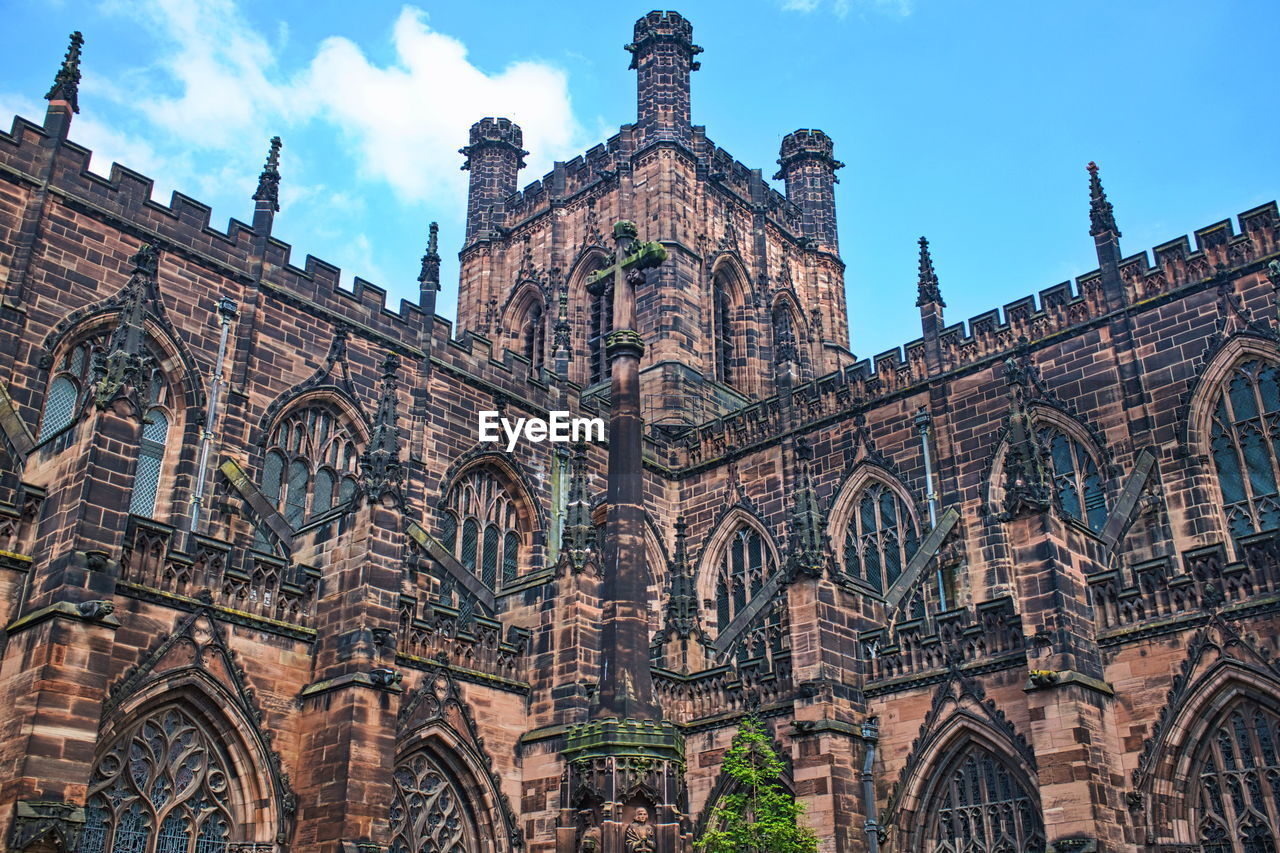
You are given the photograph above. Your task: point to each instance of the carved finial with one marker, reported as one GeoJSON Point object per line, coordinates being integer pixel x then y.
{"type": "Point", "coordinates": [927, 285]}
{"type": "Point", "coordinates": [269, 180]}
{"type": "Point", "coordinates": [431, 260]}
{"type": "Point", "coordinates": [124, 364]}
{"type": "Point", "coordinates": [579, 531]}
{"type": "Point", "coordinates": [66, 85]}
{"type": "Point", "coordinates": [807, 554]}
{"type": "Point", "coordinates": [1101, 217]}
{"type": "Point", "coordinates": [380, 466]}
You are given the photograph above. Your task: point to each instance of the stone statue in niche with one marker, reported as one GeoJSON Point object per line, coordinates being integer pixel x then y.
{"type": "Point", "coordinates": [640, 836]}
{"type": "Point", "coordinates": [590, 841]}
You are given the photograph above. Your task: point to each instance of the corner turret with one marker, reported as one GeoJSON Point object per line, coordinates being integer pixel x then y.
{"type": "Point", "coordinates": [494, 158]}
{"type": "Point", "coordinates": [662, 55]}
{"type": "Point", "coordinates": [809, 169]}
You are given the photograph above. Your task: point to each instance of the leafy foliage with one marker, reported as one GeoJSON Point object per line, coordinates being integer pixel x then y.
{"type": "Point", "coordinates": [757, 815]}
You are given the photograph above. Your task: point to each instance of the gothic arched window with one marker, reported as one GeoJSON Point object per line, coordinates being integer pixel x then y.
{"type": "Point", "coordinates": [429, 811]}
{"type": "Point", "coordinates": [533, 336]}
{"type": "Point", "coordinates": [880, 538]}
{"type": "Point", "coordinates": [724, 331]}
{"type": "Point", "coordinates": [981, 806]}
{"type": "Point", "coordinates": [1237, 774]}
{"type": "Point", "coordinates": [1244, 439]}
{"type": "Point", "coordinates": [1075, 478]}
{"type": "Point", "coordinates": [162, 787]}
{"type": "Point", "coordinates": [71, 379]}
{"type": "Point", "coordinates": [480, 525]}
{"type": "Point", "coordinates": [745, 563]}
{"type": "Point", "coordinates": [310, 466]}
{"type": "Point", "coordinates": [601, 325]}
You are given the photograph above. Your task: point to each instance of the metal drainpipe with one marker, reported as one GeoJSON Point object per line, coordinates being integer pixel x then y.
{"type": "Point", "coordinates": [227, 312]}
{"type": "Point", "coordinates": [923, 422]}
{"type": "Point", "coordinates": [870, 736]}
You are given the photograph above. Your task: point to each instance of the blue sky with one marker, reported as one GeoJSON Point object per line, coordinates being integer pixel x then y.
{"type": "Point", "coordinates": [968, 122]}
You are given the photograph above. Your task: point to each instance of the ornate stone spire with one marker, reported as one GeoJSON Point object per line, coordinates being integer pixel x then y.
{"type": "Point", "coordinates": [806, 552]}
{"type": "Point", "coordinates": [1101, 217]}
{"type": "Point", "coordinates": [561, 338]}
{"type": "Point", "coordinates": [927, 284]}
{"type": "Point", "coordinates": [430, 274]}
{"type": "Point", "coordinates": [380, 467]}
{"type": "Point", "coordinates": [66, 85]}
{"type": "Point", "coordinates": [682, 605]}
{"type": "Point", "coordinates": [269, 181]}
{"type": "Point", "coordinates": [579, 531]}
{"type": "Point", "coordinates": [124, 364]}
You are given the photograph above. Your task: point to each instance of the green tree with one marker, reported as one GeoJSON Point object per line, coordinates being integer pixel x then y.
{"type": "Point", "coordinates": [757, 815]}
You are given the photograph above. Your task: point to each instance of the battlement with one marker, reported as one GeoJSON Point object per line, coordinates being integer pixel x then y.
{"type": "Point", "coordinates": [806, 144]}
{"type": "Point", "coordinates": [656, 27]}
{"type": "Point", "coordinates": [1056, 310]}
{"type": "Point", "coordinates": [500, 133]}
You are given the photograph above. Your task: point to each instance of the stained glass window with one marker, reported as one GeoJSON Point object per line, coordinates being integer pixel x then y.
{"type": "Point", "coordinates": [744, 566]}
{"type": "Point", "coordinates": [162, 787]}
{"type": "Point", "coordinates": [1075, 478]}
{"type": "Point", "coordinates": [1244, 441]}
{"type": "Point", "coordinates": [429, 814]}
{"type": "Point", "coordinates": [880, 538]}
{"type": "Point", "coordinates": [1238, 776]}
{"type": "Point", "coordinates": [981, 806]}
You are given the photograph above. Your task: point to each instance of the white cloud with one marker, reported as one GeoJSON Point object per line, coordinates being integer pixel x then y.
{"type": "Point", "coordinates": [408, 119]}
{"type": "Point", "coordinates": [401, 123]}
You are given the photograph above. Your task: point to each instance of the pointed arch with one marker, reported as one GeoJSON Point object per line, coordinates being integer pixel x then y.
{"type": "Point", "coordinates": [593, 316]}
{"type": "Point", "coordinates": [1232, 420]}
{"type": "Point", "coordinates": [730, 337]}
{"type": "Point", "coordinates": [961, 724]}
{"type": "Point", "coordinates": [439, 744]}
{"type": "Point", "coordinates": [227, 751]}
{"type": "Point", "coordinates": [526, 323]}
{"type": "Point", "coordinates": [1222, 673]}
{"type": "Point", "coordinates": [739, 557]}
{"type": "Point", "coordinates": [874, 526]}
{"type": "Point", "coordinates": [1080, 471]}
{"type": "Point", "coordinates": [790, 332]}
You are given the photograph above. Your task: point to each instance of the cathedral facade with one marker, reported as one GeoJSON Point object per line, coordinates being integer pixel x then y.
{"type": "Point", "coordinates": [1011, 587]}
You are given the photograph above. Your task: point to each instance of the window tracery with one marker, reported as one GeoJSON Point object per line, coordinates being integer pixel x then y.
{"type": "Point", "coordinates": [480, 525]}
{"type": "Point", "coordinates": [881, 537]}
{"type": "Point", "coordinates": [163, 787]}
{"type": "Point", "coordinates": [311, 465]}
{"type": "Point", "coordinates": [1244, 442]}
{"type": "Point", "coordinates": [744, 565]}
{"type": "Point", "coordinates": [1075, 478]}
{"type": "Point", "coordinates": [1237, 774]}
{"type": "Point", "coordinates": [428, 814]}
{"type": "Point", "coordinates": [981, 806]}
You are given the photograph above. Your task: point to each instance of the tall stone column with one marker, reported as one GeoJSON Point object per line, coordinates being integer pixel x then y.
{"type": "Point", "coordinates": [624, 780]}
